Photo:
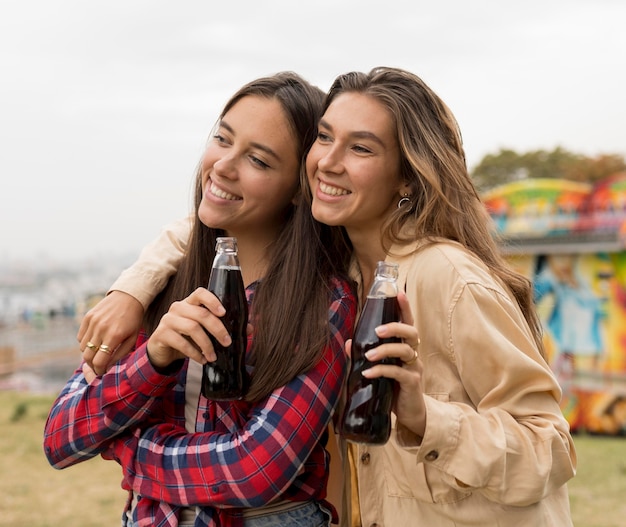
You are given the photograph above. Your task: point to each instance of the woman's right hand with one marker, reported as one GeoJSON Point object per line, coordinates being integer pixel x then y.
{"type": "Point", "coordinates": [409, 405]}
{"type": "Point", "coordinates": [115, 322]}
{"type": "Point", "coordinates": [182, 331]}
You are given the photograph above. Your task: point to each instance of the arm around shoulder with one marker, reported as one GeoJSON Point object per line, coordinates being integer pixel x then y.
{"type": "Point", "coordinates": [158, 260]}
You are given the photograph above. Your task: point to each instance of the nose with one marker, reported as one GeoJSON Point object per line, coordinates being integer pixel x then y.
{"type": "Point", "coordinates": [226, 166]}
{"type": "Point", "coordinates": [331, 160]}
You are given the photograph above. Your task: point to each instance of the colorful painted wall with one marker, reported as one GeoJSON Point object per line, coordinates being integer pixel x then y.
{"type": "Point", "coordinates": [550, 231]}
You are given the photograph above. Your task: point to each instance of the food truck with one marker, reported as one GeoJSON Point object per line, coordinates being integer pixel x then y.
{"type": "Point", "coordinates": [569, 239]}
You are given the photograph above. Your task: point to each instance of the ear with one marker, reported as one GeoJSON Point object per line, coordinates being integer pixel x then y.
{"type": "Point", "coordinates": [405, 190]}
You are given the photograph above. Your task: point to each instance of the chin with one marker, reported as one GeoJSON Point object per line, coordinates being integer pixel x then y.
{"type": "Point", "coordinates": [326, 219]}
{"type": "Point", "coordinates": [209, 220]}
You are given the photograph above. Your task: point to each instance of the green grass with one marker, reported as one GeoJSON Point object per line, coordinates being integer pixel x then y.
{"type": "Point", "coordinates": [598, 492]}
{"type": "Point", "coordinates": [35, 495]}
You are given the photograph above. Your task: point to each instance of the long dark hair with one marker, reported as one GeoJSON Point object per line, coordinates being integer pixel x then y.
{"type": "Point", "coordinates": [290, 305]}
{"type": "Point", "coordinates": [445, 203]}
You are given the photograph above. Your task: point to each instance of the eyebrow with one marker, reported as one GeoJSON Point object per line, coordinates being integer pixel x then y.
{"type": "Point", "coordinates": [260, 146]}
{"type": "Point", "coordinates": [358, 134]}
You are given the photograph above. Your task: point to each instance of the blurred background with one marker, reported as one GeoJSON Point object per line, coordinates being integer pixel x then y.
{"type": "Point", "coordinates": [105, 108]}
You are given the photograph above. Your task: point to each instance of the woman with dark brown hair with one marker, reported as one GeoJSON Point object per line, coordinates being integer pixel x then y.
{"type": "Point", "coordinates": [188, 460]}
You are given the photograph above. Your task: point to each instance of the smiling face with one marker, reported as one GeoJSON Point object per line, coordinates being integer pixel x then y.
{"type": "Point", "coordinates": [353, 167]}
{"type": "Point", "coordinates": [249, 170]}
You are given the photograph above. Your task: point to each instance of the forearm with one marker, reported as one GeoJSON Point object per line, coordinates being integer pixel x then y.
{"type": "Point", "coordinates": [156, 263]}
{"type": "Point", "coordinates": [251, 464]}
{"type": "Point", "coordinates": [493, 421]}
{"type": "Point", "coordinates": [512, 461]}
{"type": "Point", "coordinates": [88, 415]}
{"type": "Point", "coordinates": [246, 468]}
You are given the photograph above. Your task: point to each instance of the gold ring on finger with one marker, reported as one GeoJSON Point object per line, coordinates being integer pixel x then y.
{"type": "Point", "coordinates": [105, 349]}
{"type": "Point", "coordinates": [411, 361]}
{"type": "Point", "coordinates": [92, 346]}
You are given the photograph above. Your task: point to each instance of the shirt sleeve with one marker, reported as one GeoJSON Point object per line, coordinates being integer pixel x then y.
{"type": "Point", "coordinates": [86, 416]}
{"type": "Point", "coordinates": [156, 263]}
{"type": "Point", "coordinates": [254, 465]}
{"type": "Point", "coordinates": [511, 443]}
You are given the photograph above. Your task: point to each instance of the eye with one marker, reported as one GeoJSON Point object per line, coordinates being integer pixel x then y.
{"type": "Point", "coordinates": [259, 162]}
{"type": "Point", "coordinates": [219, 138]}
{"type": "Point", "coordinates": [360, 149]}
{"type": "Point", "coordinates": [323, 137]}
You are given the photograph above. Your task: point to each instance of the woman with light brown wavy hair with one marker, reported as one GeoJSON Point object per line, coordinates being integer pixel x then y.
{"type": "Point", "coordinates": [479, 438]}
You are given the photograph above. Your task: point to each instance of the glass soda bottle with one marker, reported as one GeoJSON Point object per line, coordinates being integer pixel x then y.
{"type": "Point", "coordinates": [366, 416]}
{"type": "Point", "coordinates": [226, 379]}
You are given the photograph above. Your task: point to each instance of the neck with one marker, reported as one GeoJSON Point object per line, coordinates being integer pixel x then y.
{"type": "Point", "coordinates": [368, 251]}
{"type": "Point", "coordinates": [253, 255]}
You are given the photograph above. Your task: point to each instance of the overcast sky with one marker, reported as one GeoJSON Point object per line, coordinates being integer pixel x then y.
{"type": "Point", "coordinates": [105, 105]}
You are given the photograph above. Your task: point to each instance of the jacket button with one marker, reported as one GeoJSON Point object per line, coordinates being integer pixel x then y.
{"type": "Point", "coordinates": [365, 458]}
{"type": "Point", "coordinates": [432, 455]}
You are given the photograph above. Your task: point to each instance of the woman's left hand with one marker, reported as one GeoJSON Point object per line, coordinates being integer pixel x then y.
{"type": "Point", "coordinates": [88, 372]}
{"type": "Point", "coordinates": [409, 406]}
{"type": "Point", "coordinates": [116, 321]}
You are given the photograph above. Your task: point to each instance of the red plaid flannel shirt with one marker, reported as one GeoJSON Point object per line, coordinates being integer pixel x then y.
{"type": "Point", "coordinates": [242, 455]}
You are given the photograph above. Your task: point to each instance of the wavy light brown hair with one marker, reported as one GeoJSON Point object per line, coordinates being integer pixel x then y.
{"type": "Point", "coordinates": [445, 203]}
{"type": "Point", "coordinates": [290, 304]}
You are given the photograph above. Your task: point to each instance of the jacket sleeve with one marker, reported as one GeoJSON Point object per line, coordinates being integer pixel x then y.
{"type": "Point", "coordinates": [85, 417]}
{"type": "Point", "coordinates": [510, 441]}
{"type": "Point", "coordinates": [156, 263]}
{"type": "Point", "coordinates": [255, 464]}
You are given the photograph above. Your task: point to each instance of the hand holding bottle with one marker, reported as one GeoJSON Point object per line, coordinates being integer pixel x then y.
{"type": "Point", "coordinates": [226, 378]}
{"type": "Point", "coordinates": [184, 330]}
{"type": "Point", "coordinates": [366, 417]}
{"type": "Point", "coordinates": [408, 405]}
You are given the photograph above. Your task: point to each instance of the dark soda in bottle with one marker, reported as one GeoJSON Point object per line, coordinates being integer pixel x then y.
{"type": "Point", "coordinates": [366, 416]}
{"type": "Point", "coordinates": [226, 379]}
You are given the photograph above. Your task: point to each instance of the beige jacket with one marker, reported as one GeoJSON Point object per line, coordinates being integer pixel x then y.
{"type": "Point", "coordinates": [497, 450]}
{"type": "Point", "coordinates": [157, 262]}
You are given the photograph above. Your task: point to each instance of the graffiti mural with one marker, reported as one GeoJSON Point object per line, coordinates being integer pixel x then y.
{"type": "Point", "coordinates": [569, 240]}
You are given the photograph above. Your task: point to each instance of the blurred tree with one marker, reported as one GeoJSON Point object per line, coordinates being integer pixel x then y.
{"type": "Point", "coordinates": [592, 169]}
{"type": "Point", "coordinates": [507, 166]}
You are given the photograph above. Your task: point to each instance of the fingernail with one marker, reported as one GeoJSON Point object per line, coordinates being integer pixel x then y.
{"type": "Point", "coordinates": [365, 373]}
{"type": "Point", "coordinates": [370, 355]}
{"type": "Point", "coordinates": [381, 330]}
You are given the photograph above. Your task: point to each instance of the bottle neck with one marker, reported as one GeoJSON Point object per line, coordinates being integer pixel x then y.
{"type": "Point", "coordinates": [383, 288]}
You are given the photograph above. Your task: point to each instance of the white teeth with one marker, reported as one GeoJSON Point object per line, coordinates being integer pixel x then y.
{"type": "Point", "coordinates": [333, 191]}
{"type": "Point", "coordinates": [221, 194]}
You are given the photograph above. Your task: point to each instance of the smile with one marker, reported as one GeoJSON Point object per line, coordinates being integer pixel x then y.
{"type": "Point", "coordinates": [332, 191]}
{"type": "Point", "coordinates": [222, 193]}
